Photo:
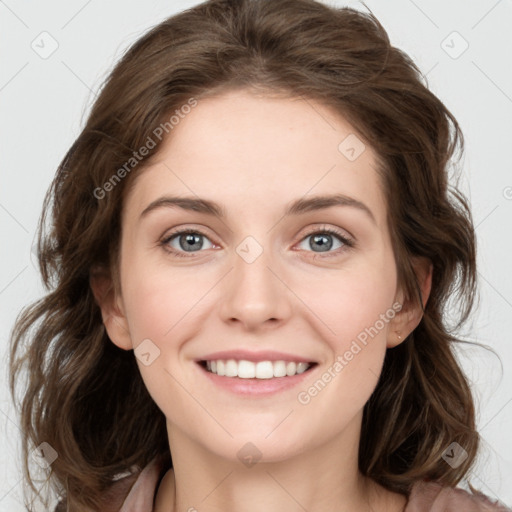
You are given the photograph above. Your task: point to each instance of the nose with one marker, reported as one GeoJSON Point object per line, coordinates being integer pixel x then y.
{"type": "Point", "coordinates": [255, 294]}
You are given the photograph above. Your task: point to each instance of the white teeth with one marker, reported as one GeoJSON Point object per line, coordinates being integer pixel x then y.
{"type": "Point", "coordinates": [246, 370]}
{"type": "Point", "coordinates": [262, 370]}
{"type": "Point", "coordinates": [231, 368]}
{"type": "Point", "coordinates": [291, 369]}
{"type": "Point", "coordinates": [279, 369]}
{"type": "Point", "coordinates": [302, 367]}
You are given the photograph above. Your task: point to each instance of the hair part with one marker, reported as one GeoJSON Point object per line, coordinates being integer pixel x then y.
{"type": "Point", "coordinates": [86, 398]}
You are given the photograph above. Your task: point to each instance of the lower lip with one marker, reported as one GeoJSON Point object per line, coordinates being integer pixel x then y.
{"type": "Point", "coordinates": [255, 387]}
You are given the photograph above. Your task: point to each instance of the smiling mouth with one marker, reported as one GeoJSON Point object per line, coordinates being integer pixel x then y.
{"type": "Point", "coordinates": [243, 369]}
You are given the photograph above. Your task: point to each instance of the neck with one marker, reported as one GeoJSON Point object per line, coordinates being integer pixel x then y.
{"type": "Point", "coordinates": [324, 479]}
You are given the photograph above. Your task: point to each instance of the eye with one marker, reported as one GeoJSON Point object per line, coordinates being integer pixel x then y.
{"type": "Point", "coordinates": [185, 240]}
{"type": "Point", "coordinates": [325, 239]}
{"type": "Point", "coordinates": [190, 241]}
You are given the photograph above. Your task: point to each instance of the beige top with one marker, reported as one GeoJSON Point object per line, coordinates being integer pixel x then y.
{"type": "Point", "coordinates": [136, 493]}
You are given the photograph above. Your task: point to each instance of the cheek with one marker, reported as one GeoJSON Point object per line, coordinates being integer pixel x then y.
{"type": "Point", "coordinates": [160, 299]}
{"type": "Point", "coordinates": [357, 307]}
{"type": "Point", "coordinates": [353, 300]}
{"type": "Point", "coordinates": [161, 306]}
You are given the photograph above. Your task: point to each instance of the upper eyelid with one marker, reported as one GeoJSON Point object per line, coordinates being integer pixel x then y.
{"type": "Point", "coordinates": [332, 230]}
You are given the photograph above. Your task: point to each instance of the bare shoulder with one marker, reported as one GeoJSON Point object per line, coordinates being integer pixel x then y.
{"type": "Point", "coordinates": [164, 500]}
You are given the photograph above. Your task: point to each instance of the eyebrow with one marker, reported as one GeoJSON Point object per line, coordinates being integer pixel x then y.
{"type": "Point", "coordinates": [297, 207]}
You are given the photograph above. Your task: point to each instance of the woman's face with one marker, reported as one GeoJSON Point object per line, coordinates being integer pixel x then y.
{"type": "Point", "coordinates": [266, 271]}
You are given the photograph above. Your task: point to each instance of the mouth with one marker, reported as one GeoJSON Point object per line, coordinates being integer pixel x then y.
{"type": "Point", "coordinates": [261, 370]}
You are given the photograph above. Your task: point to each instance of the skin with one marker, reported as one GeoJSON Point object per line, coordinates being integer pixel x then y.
{"type": "Point", "coordinates": [254, 155]}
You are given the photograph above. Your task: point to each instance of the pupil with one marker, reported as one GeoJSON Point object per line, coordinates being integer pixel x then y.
{"type": "Point", "coordinates": [324, 242]}
{"type": "Point", "coordinates": [191, 240]}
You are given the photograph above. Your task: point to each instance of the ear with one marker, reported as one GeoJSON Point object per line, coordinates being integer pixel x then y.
{"type": "Point", "coordinates": [112, 309]}
{"type": "Point", "coordinates": [408, 318]}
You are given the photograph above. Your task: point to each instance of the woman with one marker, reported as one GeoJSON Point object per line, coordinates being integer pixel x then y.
{"type": "Point", "coordinates": [258, 207]}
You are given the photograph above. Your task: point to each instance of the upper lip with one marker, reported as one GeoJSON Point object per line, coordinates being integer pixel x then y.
{"type": "Point", "coordinates": [255, 357]}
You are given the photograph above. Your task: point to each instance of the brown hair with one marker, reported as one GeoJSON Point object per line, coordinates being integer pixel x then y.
{"type": "Point", "coordinates": [85, 397]}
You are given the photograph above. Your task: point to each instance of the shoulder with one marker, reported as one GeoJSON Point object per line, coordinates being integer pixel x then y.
{"type": "Point", "coordinates": [133, 491]}
{"type": "Point", "coordinates": [112, 499]}
{"type": "Point", "coordinates": [141, 497]}
{"type": "Point", "coordinates": [432, 496]}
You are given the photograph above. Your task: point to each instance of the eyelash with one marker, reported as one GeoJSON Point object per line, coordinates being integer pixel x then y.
{"type": "Point", "coordinates": [347, 243]}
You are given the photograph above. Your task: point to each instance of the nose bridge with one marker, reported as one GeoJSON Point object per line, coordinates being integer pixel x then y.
{"type": "Point", "coordinates": [254, 294]}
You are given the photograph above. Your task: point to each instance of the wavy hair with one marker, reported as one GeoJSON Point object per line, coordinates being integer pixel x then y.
{"type": "Point", "coordinates": [85, 397]}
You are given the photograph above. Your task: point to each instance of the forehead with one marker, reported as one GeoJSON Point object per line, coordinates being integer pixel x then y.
{"type": "Point", "coordinates": [244, 150]}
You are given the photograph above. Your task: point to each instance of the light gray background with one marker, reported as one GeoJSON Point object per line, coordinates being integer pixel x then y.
{"type": "Point", "coordinates": [44, 100]}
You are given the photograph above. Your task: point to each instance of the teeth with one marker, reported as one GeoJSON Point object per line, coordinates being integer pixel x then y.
{"type": "Point", "coordinates": [262, 370]}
